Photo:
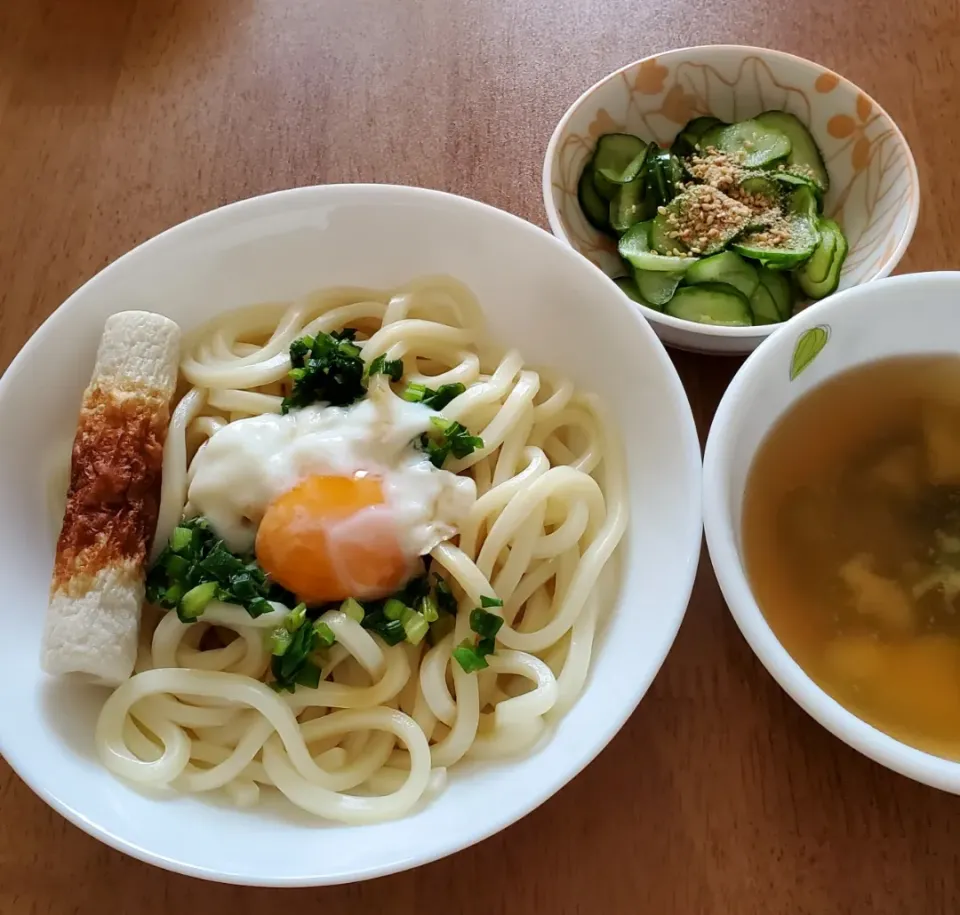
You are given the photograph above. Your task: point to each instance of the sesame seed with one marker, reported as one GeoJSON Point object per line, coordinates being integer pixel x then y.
{"type": "Point", "coordinates": [706, 217]}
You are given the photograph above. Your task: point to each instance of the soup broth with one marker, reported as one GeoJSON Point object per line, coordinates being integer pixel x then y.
{"type": "Point", "coordinates": [851, 538]}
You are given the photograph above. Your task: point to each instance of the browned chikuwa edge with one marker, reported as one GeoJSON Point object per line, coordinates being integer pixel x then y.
{"type": "Point", "coordinates": [114, 493]}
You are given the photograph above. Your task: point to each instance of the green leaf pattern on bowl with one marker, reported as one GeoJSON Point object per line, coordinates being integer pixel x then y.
{"type": "Point", "coordinates": [808, 347]}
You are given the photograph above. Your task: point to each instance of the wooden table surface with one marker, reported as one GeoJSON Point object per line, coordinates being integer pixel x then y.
{"type": "Point", "coordinates": [119, 118]}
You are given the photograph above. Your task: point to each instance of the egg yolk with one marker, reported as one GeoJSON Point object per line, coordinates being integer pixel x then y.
{"type": "Point", "coordinates": [330, 538]}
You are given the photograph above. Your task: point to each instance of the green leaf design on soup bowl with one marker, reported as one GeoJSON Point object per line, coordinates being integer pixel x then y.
{"type": "Point", "coordinates": [808, 347]}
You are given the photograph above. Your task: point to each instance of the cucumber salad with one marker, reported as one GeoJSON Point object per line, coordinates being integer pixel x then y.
{"type": "Point", "coordinates": [725, 227]}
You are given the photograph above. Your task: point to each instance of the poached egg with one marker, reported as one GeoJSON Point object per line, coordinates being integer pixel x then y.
{"type": "Point", "coordinates": [337, 502]}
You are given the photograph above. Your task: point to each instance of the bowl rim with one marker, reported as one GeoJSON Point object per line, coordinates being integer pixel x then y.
{"type": "Point", "coordinates": [721, 538]}
{"type": "Point", "coordinates": [502, 816]}
{"type": "Point", "coordinates": [755, 332]}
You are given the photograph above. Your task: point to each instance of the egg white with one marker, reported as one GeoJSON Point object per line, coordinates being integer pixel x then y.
{"type": "Point", "coordinates": [248, 463]}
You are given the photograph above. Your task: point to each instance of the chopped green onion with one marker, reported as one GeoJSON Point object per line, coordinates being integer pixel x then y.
{"type": "Point", "coordinates": [414, 591]}
{"type": "Point", "coordinates": [195, 556]}
{"type": "Point", "coordinates": [280, 640]}
{"type": "Point", "coordinates": [445, 599]}
{"type": "Point", "coordinates": [393, 609]}
{"type": "Point", "coordinates": [391, 631]}
{"type": "Point", "coordinates": [485, 624]}
{"type": "Point", "coordinates": [439, 398]}
{"type": "Point", "coordinates": [296, 617]}
{"type": "Point", "coordinates": [308, 675]}
{"type": "Point", "coordinates": [435, 399]}
{"type": "Point", "coordinates": [414, 626]}
{"type": "Point", "coordinates": [450, 438]}
{"type": "Point", "coordinates": [244, 587]}
{"type": "Point", "coordinates": [411, 613]}
{"type": "Point", "coordinates": [222, 564]}
{"type": "Point", "coordinates": [392, 368]}
{"type": "Point", "coordinates": [326, 368]}
{"type": "Point", "coordinates": [414, 393]}
{"type": "Point", "coordinates": [194, 602]}
{"type": "Point", "coordinates": [292, 666]}
{"type": "Point", "coordinates": [490, 601]}
{"type": "Point", "coordinates": [353, 609]}
{"type": "Point", "coordinates": [180, 539]}
{"type": "Point", "coordinates": [429, 608]}
{"type": "Point", "coordinates": [176, 566]}
{"type": "Point", "coordinates": [300, 349]}
{"type": "Point", "coordinates": [258, 606]}
{"type": "Point", "coordinates": [344, 340]}
{"type": "Point", "coordinates": [324, 633]}
{"type": "Point", "coordinates": [172, 596]}
{"type": "Point", "coordinates": [463, 443]}
{"type": "Point", "coordinates": [467, 656]}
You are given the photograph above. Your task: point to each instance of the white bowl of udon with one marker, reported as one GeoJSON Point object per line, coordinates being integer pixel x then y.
{"type": "Point", "coordinates": [546, 509]}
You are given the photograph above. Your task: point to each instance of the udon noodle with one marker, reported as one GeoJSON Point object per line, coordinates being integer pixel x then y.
{"type": "Point", "coordinates": [385, 723]}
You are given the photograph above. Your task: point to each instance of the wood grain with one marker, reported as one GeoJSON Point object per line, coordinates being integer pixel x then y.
{"type": "Point", "coordinates": [119, 118]}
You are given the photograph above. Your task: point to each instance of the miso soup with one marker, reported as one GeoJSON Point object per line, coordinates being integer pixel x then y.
{"type": "Point", "coordinates": [851, 536]}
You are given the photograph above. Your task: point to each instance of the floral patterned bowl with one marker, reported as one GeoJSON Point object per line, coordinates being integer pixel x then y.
{"type": "Point", "coordinates": [874, 188]}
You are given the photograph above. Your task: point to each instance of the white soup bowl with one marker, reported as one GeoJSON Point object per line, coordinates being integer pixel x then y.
{"type": "Point", "coordinates": [901, 316]}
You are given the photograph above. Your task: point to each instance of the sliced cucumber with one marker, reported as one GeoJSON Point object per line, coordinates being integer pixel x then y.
{"type": "Point", "coordinates": [675, 173]}
{"type": "Point", "coordinates": [619, 157]}
{"type": "Point", "coordinates": [690, 201]}
{"type": "Point", "coordinates": [634, 247]}
{"type": "Point", "coordinates": [687, 140]}
{"type": "Point", "coordinates": [810, 277]}
{"type": "Point", "coordinates": [803, 201]}
{"type": "Point", "coordinates": [711, 303]}
{"type": "Point", "coordinates": [594, 207]}
{"type": "Point", "coordinates": [763, 308]}
{"type": "Point", "coordinates": [657, 188]}
{"type": "Point", "coordinates": [657, 286]}
{"type": "Point", "coordinates": [699, 126]}
{"type": "Point", "coordinates": [664, 176]}
{"type": "Point", "coordinates": [660, 239]}
{"type": "Point", "coordinates": [629, 286]}
{"type": "Point", "coordinates": [804, 155]}
{"type": "Point", "coordinates": [779, 288]}
{"type": "Point", "coordinates": [606, 189]}
{"type": "Point", "coordinates": [801, 242]}
{"type": "Point", "coordinates": [761, 186]}
{"type": "Point", "coordinates": [792, 179]}
{"type": "Point", "coordinates": [725, 267]}
{"type": "Point", "coordinates": [630, 206]}
{"type": "Point", "coordinates": [759, 145]}
{"type": "Point", "coordinates": [817, 267]}
{"type": "Point", "coordinates": [839, 258]}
